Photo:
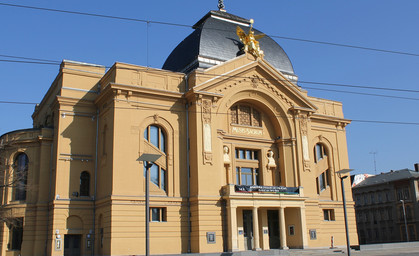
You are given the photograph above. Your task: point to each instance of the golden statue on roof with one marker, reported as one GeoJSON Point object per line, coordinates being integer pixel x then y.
{"type": "Point", "coordinates": [249, 40]}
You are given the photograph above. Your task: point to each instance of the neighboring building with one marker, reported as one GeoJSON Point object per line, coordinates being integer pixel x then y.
{"type": "Point", "coordinates": [262, 155]}
{"type": "Point", "coordinates": [358, 178]}
{"type": "Point", "coordinates": [379, 207]}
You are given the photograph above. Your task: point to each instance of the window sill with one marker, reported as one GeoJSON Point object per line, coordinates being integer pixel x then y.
{"type": "Point", "coordinates": [15, 202]}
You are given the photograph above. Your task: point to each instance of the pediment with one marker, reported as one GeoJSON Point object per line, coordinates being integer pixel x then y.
{"type": "Point", "coordinates": [243, 73]}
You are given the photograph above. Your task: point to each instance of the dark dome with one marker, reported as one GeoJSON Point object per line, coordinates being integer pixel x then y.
{"type": "Point", "coordinates": [215, 41]}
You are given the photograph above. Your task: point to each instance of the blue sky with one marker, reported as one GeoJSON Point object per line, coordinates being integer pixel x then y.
{"type": "Point", "coordinates": [381, 24]}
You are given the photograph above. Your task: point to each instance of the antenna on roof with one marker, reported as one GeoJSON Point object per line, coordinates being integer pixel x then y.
{"type": "Point", "coordinates": [375, 164]}
{"type": "Point", "coordinates": [221, 5]}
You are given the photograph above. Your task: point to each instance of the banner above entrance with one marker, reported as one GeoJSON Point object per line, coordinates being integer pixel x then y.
{"type": "Point", "coordinates": [266, 189]}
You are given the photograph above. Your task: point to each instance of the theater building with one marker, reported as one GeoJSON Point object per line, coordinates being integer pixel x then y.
{"type": "Point", "coordinates": [248, 158]}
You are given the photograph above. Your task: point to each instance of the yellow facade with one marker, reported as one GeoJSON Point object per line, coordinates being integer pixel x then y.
{"type": "Point", "coordinates": [248, 162]}
{"type": "Point", "coordinates": [95, 121]}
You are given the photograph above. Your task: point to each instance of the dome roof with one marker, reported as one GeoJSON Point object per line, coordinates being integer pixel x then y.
{"type": "Point", "coordinates": [215, 41]}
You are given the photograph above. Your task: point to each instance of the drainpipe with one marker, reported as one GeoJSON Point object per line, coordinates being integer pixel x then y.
{"type": "Point", "coordinates": [187, 166]}
{"type": "Point", "coordinates": [49, 196]}
{"type": "Point", "coordinates": [95, 189]}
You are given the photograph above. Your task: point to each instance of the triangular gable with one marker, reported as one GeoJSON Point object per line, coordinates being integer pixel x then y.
{"type": "Point", "coordinates": [220, 78]}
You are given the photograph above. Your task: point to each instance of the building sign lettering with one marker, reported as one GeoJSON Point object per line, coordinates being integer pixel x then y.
{"type": "Point", "coordinates": [246, 131]}
{"type": "Point", "coordinates": [266, 189]}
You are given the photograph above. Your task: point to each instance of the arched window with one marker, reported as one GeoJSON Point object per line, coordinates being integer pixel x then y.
{"type": "Point", "coordinates": [84, 183]}
{"type": "Point", "coordinates": [319, 152]}
{"type": "Point", "coordinates": [157, 137]}
{"type": "Point", "coordinates": [245, 115]}
{"type": "Point", "coordinates": [20, 176]}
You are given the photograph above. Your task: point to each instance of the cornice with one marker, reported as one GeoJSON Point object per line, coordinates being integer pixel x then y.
{"type": "Point", "coordinates": [330, 119]}
{"type": "Point", "coordinates": [114, 89]}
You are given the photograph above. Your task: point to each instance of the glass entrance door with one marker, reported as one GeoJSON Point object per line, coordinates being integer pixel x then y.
{"type": "Point", "coordinates": [248, 229]}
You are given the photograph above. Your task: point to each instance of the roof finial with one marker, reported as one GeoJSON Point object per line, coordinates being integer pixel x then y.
{"type": "Point", "coordinates": [221, 5]}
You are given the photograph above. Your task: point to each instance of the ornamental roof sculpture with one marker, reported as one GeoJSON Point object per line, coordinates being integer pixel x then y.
{"type": "Point", "coordinates": [249, 40]}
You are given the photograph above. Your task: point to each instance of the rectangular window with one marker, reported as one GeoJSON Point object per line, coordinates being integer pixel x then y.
{"type": "Point", "coordinates": [157, 214]}
{"type": "Point", "coordinates": [406, 194]}
{"type": "Point", "coordinates": [16, 233]}
{"type": "Point", "coordinates": [246, 154]}
{"type": "Point", "coordinates": [157, 176]}
{"type": "Point", "coordinates": [322, 182]}
{"type": "Point", "coordinates": [328, 214]}
{"type": "Point", "coordinates": [247, 176]}
{"type": "Point", "coordinates": [399, 194]}
{"type": "Point", "coordinates": [412, 233]}
{"type": "Point", "coordinates": [247, 171]}
{"type": "Point", "coordinates": [154, 174]}
{"type": "Point", "coordinates": [401, 213]}
{"type": "Point", "coordinates": [408, 212]}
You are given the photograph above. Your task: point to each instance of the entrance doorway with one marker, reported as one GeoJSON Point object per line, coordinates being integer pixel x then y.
{"type": "Point", "coordinates": [248, 229]}
{"type": "Point", "coordinates": [273, 227]}
{"type": "Point", "coordinates": [72, 245]}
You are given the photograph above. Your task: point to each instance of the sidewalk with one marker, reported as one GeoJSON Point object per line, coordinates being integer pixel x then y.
{"type": "Point", "coordinates": [390, 249]}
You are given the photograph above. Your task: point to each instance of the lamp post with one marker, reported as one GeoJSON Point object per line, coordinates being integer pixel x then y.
{"type": "Point", "coordinates": [405, 222]}
{"type": "Point", "coordinates": [149, 160]}
{"type": "Point", "coordinates": [340, 173]}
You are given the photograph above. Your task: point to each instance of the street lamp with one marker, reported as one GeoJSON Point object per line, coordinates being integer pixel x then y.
{"type": "Point", "coordinates": [340, 173]}
{"type": "Point", "coordinates": [405, 222]}
{"type": "Point", "coordinates": [149, 160]}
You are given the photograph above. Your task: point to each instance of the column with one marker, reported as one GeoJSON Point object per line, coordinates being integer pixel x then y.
{"type": "Point", "coordinates": [232, 228]}
{"type": "Point", "coordinates": [303, 227]}
{"type": "Point", "coordinates": [282, 229]}
{"type": "Point", "coordinates": [256, 244]}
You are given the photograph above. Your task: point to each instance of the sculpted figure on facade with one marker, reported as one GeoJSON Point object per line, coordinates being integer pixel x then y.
{"type": "Point", "coordinates": [226, 151]}
{"type": "Point", "coordinates": [249, 40]}
{"type": "Point", "coordinates": [271, 160]}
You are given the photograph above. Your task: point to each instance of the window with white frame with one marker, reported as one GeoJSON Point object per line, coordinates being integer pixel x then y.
{"type": "Point", "coordinates": [247, 167]}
